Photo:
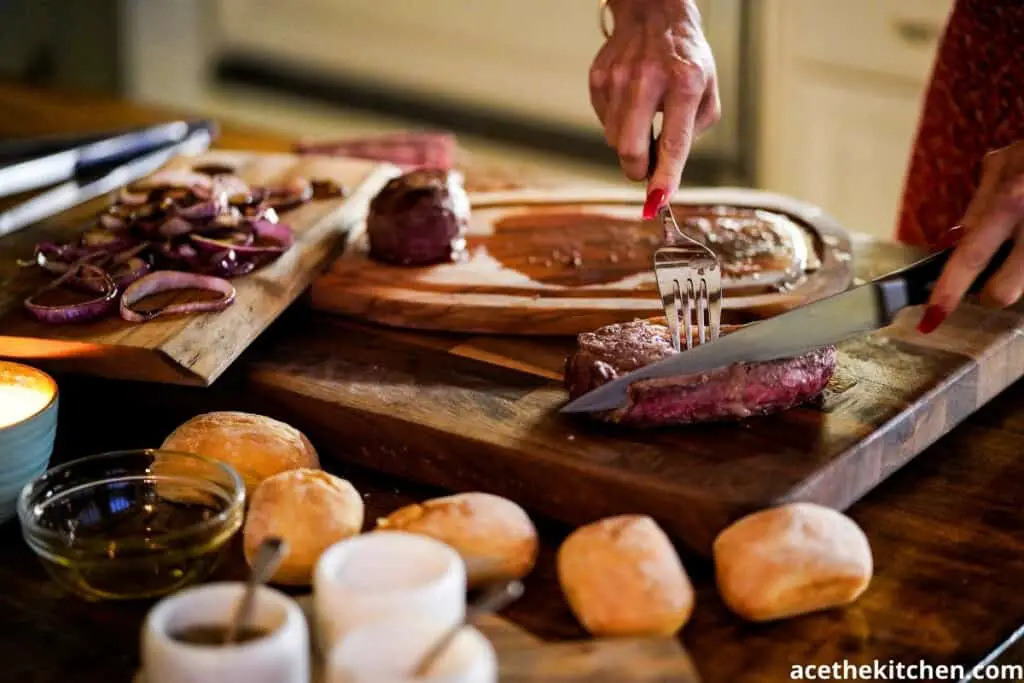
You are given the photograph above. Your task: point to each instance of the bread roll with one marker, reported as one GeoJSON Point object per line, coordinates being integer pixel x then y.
{"type": "Point", "coordinates": [622, 577]}
{"type": "Point", "coordinates": [255, 445]}
{"type": "Point", "coordinates": [791, 560]}
{"type": "Point", "coordinates": [494, 536]}
{"type": "Point", "coordinates": [311, 510]}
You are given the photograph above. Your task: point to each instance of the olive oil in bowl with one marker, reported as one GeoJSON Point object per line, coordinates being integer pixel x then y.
{"type": "Point", "coordinates": [133, 524]}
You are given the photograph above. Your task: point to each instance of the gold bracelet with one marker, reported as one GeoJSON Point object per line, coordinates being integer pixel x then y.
{"type": "Point", "coordinates": [602, 15]}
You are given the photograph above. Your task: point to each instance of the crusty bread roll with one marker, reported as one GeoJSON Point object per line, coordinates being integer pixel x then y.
{"type": "Point", "coordinates": [622, 577]}
{"type": "Point", "coordinates": [311, 510]}
{"type": "Point", "coordinates": [494, 536]}
{"type": "Point", "coordinates": [255, 445]}
{"type": "Point", "coordinates": [790, 560]}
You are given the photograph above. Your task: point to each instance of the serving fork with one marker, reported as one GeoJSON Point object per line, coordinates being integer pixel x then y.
{"type": "Point", "coordinates": [689, 280]}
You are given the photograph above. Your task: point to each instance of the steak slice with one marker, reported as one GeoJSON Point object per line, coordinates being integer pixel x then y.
{"type": "Point", "coordinates": [728, 393]}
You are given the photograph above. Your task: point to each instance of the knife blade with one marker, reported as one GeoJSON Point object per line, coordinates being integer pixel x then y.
{"type": "Point", "coordinates": [832, 320]}
{"type": "Point", "coordinates": [80, 190]}
{"type": "Point", "coordinates": [46, 170]}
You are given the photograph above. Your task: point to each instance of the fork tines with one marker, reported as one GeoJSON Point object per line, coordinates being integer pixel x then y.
{"type": "Point", "coordinates": [688, 278]}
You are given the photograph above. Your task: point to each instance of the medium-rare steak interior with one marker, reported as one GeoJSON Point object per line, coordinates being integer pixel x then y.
{"type": "Point", "coordinates": [730, 393]}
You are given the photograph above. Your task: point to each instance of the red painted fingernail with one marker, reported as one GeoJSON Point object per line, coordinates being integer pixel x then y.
{"type": "Point", "coordinates": [655, 198]}
{"type": "Point", "coordinates": [932, 318]}
{"type": "Point", "coordinates": [951, 237]}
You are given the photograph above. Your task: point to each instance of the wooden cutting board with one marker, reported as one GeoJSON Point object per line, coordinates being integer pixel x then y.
{"type": "Point", "coordinates": [193, 349]}
{"type": "Point", "coordinates": [568, 260]}
{"type": "Point", "coordinates": [481, 413]}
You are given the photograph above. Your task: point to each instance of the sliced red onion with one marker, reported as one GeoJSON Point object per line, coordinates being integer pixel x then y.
{"type": "Point", "coordinates": [210, 225]}
{"type": "Point", "coordinates": [276, 232]}
{"type": "Point", "coordinates": [76, 312]}
{"type": "Point", "coordinates": [175, 227]}
{"type": "Point", "coordinates": [169, 280]}
{"type": "Point", "coordinates": [128, 272]}
{"type": "Point", "coordinates": [204, 210]}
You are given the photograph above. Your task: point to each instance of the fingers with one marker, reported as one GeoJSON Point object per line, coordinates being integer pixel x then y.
{"type": "Point", "coordinates": [710, 110]}
{"type": "Point", "coordinates": [993, 224]}
{"type": "Point", "coordinates": [598, 96]}
{"type": "Point", "coordinates": [1006, 287]}
{"type": "Point", "coordinates": [682, 99]}
{"type": "Point", "coordinates": [634, 132]}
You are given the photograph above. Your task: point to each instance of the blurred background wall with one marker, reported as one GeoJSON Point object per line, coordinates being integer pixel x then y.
{"type": "Point", "coordinates": [821, 97]}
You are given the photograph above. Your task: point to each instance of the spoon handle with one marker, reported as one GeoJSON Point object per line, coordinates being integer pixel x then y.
{"type": "Point", "coordinates": [268, 558]}
{"type": "Point", "coordinates": [493, 600]}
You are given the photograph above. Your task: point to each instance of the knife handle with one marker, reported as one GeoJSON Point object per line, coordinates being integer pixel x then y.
{"type": "Point", "coordinates": [913, 284]}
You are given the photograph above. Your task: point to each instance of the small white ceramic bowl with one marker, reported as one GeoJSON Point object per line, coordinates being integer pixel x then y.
{"type": "Point", "coordinates": [385, 574]}
{"type": "Point", "coordinates": [391, 649]}
{"type": "Point", "coordinates": [282, 656]}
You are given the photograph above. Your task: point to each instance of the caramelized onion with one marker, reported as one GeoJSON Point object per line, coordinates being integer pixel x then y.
{"type": "Point", "coordinates": [206, 221]}
{"type": "Point", "coordinates": [170, 280]}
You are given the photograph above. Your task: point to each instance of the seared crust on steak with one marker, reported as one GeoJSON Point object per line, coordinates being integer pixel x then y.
{"type": "Point", "coordinates": [728, 393]}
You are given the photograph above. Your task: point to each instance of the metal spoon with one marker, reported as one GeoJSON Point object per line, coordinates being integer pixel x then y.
{"type": "Point", "coordinates": [268, 557]}
{"type": "Point", "coordinates": [494, 599]}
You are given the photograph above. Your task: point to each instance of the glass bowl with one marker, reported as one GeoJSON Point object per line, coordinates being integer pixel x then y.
{"type": "Point", "coordinates": [132, 524]}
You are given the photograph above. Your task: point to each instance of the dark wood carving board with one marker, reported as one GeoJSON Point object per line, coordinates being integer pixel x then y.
{"type": "Point", "coordinates": [481, 413]}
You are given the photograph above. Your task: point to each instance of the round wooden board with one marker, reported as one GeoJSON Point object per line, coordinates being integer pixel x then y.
{"type": "Point", "coordinates": [495, 291]}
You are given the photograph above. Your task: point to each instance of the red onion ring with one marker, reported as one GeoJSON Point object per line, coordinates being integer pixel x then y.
{"type": "Point", "coordinates": [212, 224]}
{"type": "Point", "coordinates": [170, 280]}
{"type": "Point", "coordinates": [77, 312]}
{"type": "Point", "coordinates": [175, 226]}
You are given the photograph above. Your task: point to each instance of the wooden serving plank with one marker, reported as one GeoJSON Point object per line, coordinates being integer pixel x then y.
{"type": "Point", "coordinates": [481, 413]}
{"type": "Point", "coordinates": [193, 349]}
{"type": "Point", "coordinates": [526, 273]}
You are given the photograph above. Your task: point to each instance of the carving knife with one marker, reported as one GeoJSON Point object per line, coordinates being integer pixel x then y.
{"type": "Point", "coordinates": [80, 190]}
{"type": "Point", "coordinates": [856, 311]}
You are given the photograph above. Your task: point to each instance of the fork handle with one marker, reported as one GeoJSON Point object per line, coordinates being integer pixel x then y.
{"type": "Point", "coordinates": [652, 155]}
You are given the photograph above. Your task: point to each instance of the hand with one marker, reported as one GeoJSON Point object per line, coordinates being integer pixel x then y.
{"type": "Point", "coordinates": [656, 59]}
{"type": "Point", "coordinates": [995, 215]}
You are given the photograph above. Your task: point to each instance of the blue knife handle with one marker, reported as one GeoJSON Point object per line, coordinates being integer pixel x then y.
{"type": "Point", "coordinates": [913, 284]}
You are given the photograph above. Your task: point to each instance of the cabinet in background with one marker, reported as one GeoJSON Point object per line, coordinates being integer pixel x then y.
{"type": "Point", "coordinates": [840, 95]}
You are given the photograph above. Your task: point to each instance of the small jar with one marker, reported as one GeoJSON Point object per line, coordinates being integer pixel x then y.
{"type": "Point", "coordinates": [392, 649]}
{"type": "Point", "coordinates": [182, 639]}
{"type": "Point", "coordinates": [386, 574]}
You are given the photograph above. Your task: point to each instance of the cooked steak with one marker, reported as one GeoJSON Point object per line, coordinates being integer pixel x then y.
{"type": "Point", "coordinates": [728, 393]}
{"type": "Point", "coordinates": [419, 218]}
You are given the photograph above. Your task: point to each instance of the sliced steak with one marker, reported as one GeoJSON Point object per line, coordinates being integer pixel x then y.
{"type": "Point", "coordinates": [728, 393]}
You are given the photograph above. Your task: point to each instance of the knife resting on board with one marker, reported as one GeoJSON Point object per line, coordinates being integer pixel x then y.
{"type": "Point", "coordinates": [859, 310]}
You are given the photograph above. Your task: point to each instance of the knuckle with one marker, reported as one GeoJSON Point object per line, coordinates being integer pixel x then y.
{"type": "Point", "coordinates": [620, 74]}
{"type": "Point", "coordinates": [648, 72]}
{"type": "Point", "coordinates": [689, 78]}
{"type": "Point", "coordinates": [598, 78]}
{"type": "Point", "coordinates": [1010, 195]}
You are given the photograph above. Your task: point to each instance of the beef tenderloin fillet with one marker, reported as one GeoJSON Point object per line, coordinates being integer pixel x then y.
{"type": "Point", "coordinates": [419, 218]}
{"type": "Point", "coordinates": [728, 393]}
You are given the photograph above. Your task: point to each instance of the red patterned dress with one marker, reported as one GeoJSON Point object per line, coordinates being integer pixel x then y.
{"type": "Point", "coordinates": [974, 104]}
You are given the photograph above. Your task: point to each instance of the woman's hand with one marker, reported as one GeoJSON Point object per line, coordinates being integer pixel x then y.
{"type": "Point", "coordinates": [656, 59]}
{"type": "Point", "coordinates": [995, 215]}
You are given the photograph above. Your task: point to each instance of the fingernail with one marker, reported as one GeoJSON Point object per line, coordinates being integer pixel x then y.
{"type": "Point", "coordinates": [951, 238]}
{"type": "Point", "coordinates": [932, 318]}
{"type": "Point", "coordinates": [655, 198]}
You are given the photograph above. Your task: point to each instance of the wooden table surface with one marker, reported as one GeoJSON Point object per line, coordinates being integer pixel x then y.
{"type": "Point", "coordinates": [946, 530]}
